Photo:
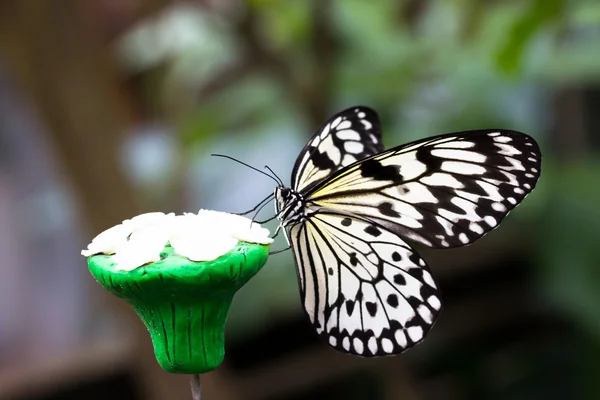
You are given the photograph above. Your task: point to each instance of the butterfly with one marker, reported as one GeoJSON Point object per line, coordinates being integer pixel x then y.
{"type": "Point", "coordinates": [352, 209]}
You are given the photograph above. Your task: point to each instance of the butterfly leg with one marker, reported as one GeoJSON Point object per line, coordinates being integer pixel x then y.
{"type": "Point", "coordinates": [280, 251]}
{"type": "Point", "coordinates": [274, 236]}
{"type": "Point", "coordinates": [277, 231]}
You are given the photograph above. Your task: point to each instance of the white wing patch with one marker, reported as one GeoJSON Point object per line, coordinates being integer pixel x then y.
{"type": "Point", "coordinates": [365, 290]}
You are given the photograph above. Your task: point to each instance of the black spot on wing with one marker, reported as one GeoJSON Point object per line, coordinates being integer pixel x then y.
{"type": "Point", "coordinates": [372, 230]}
{"type": "Point", "coordinates": [350, 307]}
{"type": "Point", "coordinates": [399, 279]}
{"type": "Point", "coordinates": [387, 209]}
{"type": "Point", "coordinates": [392, 300]}
{"type": "Point", "coordinates": [371, 308]}
{"type": "Point", "coordinates": [373, 169]}
{"type": "Point", "coordinates": [322, 160]}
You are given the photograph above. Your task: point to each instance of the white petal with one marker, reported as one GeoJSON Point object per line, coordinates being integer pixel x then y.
{"type": "Point", "coordinates": [108, 241]}
{"type": "Point", "coordinates": [144, 246]}
{"type": "Point", "coordinates": [256, 234]}
{"type": "Point", "coordinates": [147, 219]}
{"type": "Point", "coordinates": [238, 226]}
{"type": "Point", "coordinates": [203, 248]}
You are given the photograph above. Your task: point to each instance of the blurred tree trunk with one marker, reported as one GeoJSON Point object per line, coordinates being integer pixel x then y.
{"type": "Point", "coordinates": [55, 52]}
{"type": "Point", "coordinates": [569, 139]}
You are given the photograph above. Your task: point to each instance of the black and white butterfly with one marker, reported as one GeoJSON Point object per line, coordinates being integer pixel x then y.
{"type": "Point", "coordinates": [352, 207]}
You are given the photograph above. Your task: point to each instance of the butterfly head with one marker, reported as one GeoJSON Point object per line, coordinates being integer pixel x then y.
{"type": "Point", "coordinates": [288, 205]}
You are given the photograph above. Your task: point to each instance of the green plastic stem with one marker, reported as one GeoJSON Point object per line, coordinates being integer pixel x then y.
{"type": "Point", "coordinates": [184, 304]}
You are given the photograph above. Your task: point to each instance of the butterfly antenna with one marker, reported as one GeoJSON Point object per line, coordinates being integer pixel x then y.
{"type": "Point", "coordinates": [247, 165]}
{"type": "Point", "coordinates": [266, 199]}
{"type": "Point", "coordinates": [275, 175]}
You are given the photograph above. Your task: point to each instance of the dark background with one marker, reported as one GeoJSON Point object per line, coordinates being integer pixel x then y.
{"type": "Point", "coordinates": [111, 108]}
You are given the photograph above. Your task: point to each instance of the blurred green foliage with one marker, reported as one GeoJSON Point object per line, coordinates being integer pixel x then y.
{"type": "Point", "coordinates": [568, 255]}
{"type": "Point", "coordinates": [539, 14]}
{"type": "Point", "coordinates": [456, 65]}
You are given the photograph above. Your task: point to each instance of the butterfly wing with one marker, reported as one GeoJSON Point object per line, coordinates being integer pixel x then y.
{"type": "Point", "coordinates": [443, 191]}
{"type": "Point", "coordinates": [363, 288]}
{"type": "Point", "coordinates": [347, 137]}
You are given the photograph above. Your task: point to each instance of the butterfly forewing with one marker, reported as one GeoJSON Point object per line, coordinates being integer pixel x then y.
{"type": "Point", "coordinates": [363, 288]}
{"type": "Point", "coordinates": [347, 137]}
{"type": "Point", "coordinates": [444, 191]}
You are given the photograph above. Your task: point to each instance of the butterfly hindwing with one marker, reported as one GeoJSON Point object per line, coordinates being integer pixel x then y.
{"type": "Point", "coordinates": [348, 136]}
{"type": "Point", "coordinates": [443, 191]}
{"type": "Point", "coordinates": [364, 289]}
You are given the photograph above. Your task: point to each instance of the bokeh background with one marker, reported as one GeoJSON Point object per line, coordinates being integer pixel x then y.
{"type": "Point", "coordinates": [111, 108]}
